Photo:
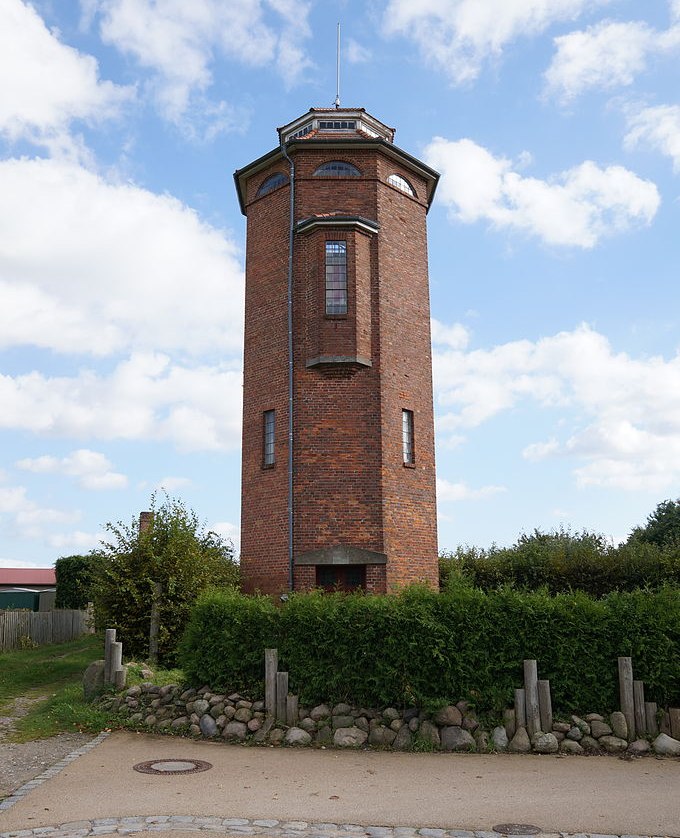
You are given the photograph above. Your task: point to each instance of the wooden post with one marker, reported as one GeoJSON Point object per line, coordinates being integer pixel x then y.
{"type": "Point", "coordinates": [119, 678]}
{"type": "Point", "coordinates": [116, 660]}
{"type": "Point", "coordinates": [291, 710]}
{"type": "Point", "coordinates": [281, 696]}
{"type": "Point", "coordinates": [650, 718]}
{"type": "Point", "coordinates": [674, 717]}
{"type": "Point", "coordinates": [626, 694]}
{"type": "Point", "coordinates": [531, 696]}
{"type": "Point", "coordinates": [545, 706]}
{"type": "Point", "coordinates": [155, 624]}
{"type": "Point", "coordinates": [520, 709]}
{"type": "Point", "coordinates": [109, 638]}
{"type": "Point", "coordinates": [271, 665]}
{"type": "Point", "coordinates": [639, 708]}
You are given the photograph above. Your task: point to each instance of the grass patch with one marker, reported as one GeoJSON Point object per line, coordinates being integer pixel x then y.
{"type": "Point", "coordinates": [54, 671]}
{"type": "Point", "coordinates": [46, 668]}
{"type": "Point", "coordinates": [63, 712]}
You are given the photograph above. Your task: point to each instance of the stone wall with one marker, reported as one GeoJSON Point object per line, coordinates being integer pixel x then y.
{"type": "Point", "coordinates": [235, 718]}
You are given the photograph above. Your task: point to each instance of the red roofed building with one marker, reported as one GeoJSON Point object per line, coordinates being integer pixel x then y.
{"type": "Point", "coordinates": [35, 578]}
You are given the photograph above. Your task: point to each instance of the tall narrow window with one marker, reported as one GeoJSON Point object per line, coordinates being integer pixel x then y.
{"type": "Point", "coordinates": [336, 278]}
{"type": "Point", "coordinates": [407, 437]}
{"type": "Point", "coordinates": [268, 457]}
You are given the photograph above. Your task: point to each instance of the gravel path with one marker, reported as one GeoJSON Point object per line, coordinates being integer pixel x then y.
{"type": "Point", "coordinates": [20, 762]}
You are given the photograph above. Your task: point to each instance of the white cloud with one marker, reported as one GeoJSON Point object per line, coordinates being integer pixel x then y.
{"type": "Point", "coordinates": [659, 128]}
{"type": "Point", "coordinates": [621, 414]}
{"type": "Point", "coordinates": [459, 35]}
{"type": "Point", "coordinates": [46, 84]}
{"type": "Point", "coordinates": [447, 491]}
{"type": "Point", "coordinates": [356, 53]}
{"type": "Point", "coordinates": [91, 266]}
{"type": "Point", "coordinates": [146, 397]}
{"type": "Point", "coordinates": [455, 336]}
{"type": "Point", "coordinates": [76, 541]}
{"type": "Point", "coordinates": [91, 469]}
{"type": "Point", "coordinates": [574, 208]}
{"type": "Point", "coordinates": [606, 55]}
{"type": "Point", "coordinates": [230, 532]}
{"type": "Point", "coordinates": [27, 518]}
{"type": "Point", "coordinates": [179, 41]}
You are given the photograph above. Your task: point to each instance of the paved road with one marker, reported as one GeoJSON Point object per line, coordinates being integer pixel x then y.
{"type": "Point", "coordinates": [307, 792]}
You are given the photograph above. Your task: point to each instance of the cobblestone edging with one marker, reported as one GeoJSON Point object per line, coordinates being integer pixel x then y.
{"type": "Point", "coordinates": [50, 772]}
{"type": "Point", "coordinates": [270, 828]}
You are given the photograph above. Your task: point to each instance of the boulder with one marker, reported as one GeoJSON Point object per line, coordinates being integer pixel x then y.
{"type": "Point", "coordinates": [93, 680]}
{"type": "Point", "coordinates": [666, 746]}
{"type": "Point", "coordinates": [321, 711]}
{"type": "Point", "coordinates": [343, 721]}
{"type": "Point", "coordinates": [403, 740]}
{"type": "Point", "coordinates": [448, 716]}
{"type": "Point", "coordinates": [275, 737]}
{"type": "Point", "coordinates": [544, 743]}
{"type": "Point", "coordinates": [381, 737]}
{"type": "Point", "coordinates": [568, 746]}
{"type": "Point", "coordinates": [308, 724]}
{"type": "Point", "coordinates": [612, 744]}
{"type": "Point", "coordinates": [581, 724]}
{"type": "Point", "coordinates": [297, 736]}
{"type": "Point", "coordinates": [390, 714]}
{"type": "Point", "coordinates": [454, 738]}
{"type": "Point", "coordinates": [619, 724]}
{"type": "Point", "coordinates": [208, 725]}
{"type": "Point", "coordinates": [520, 744]}
{"type": "Point", "coordinates": [481, 740]}
{"type": "Point", "coordinates": [509, 722]}
{"type": "Point", "coordinates": [499, 738]}
{"type": "Point", "coordinates": [639, 748]}
{"type": "Point", "coordinates": [201, 706]}
{"type": "Point", "coordinates": [429, 733]}
{"type": "Point", "coordinates": [341, 710]}
{"type": "Point", "coordinates": [575, 734]}
{"type": "Point", "coordinates": [599, 728]}
{"type": "Point", "coordinates": [590, 745]}
{"type": "Point", "coordinates": [235, 732]}
{"type": "Point", "coordinates": [243, 714]}
{"type": "Point", "coordinates": [349, 737]}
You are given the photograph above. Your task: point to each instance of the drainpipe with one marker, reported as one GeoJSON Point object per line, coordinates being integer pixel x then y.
{"type": "Point", "coordinates": [290, 363]}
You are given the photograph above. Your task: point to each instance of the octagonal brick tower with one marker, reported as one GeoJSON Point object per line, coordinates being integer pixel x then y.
{"type": "Point", "coordinates": [338, 483]}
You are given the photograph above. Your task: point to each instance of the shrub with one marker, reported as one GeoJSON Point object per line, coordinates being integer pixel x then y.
{"type": "Point", "coordinates": [177, 553]}
{"type": "Point", "coordinates": [75, 578]}
{"type": "Point", "coordinates": [563, 561]}
{"type": "Point", "coordinates": [417, 646]}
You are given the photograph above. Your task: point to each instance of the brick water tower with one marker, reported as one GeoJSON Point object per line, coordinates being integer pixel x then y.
{"type": "Point", "coordinates": [338, 483]}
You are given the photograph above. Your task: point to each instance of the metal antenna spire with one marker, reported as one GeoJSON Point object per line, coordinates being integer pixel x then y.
{"type": "Point", "coordinates": [337, 71]}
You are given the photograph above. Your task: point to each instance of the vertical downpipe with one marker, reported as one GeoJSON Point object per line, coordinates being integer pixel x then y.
{"type": "Point", "coordinates": [291, 232]}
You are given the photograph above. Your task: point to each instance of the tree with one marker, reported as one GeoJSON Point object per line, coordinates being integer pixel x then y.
{"type": "Point", "coordinates": [662, 528]}
{"type": "Point", "coordinates": [75, 577]}
{"type": "Point", "coordinates": [176, 552]}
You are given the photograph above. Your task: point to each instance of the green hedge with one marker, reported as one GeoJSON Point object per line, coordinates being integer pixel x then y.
{"type": "Point", "coordinates": [419, 647]}
{"type": "Point", "coordinates": [563, 561]}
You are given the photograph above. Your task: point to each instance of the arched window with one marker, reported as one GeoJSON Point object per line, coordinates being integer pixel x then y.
{"type": "Point", "coordinates": [337, 168]}
{"type": "Point", "coordinates": [271, 183]}
{"type": "Point", "coordinates": [401, 183]}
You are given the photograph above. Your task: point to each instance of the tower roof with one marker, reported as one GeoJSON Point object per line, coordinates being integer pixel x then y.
{"type": "Point", "coordinates": [336, 128]}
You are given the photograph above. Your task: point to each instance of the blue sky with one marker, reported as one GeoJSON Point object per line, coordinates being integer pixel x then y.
{"type": "Point", "coordinates": [554, 243]}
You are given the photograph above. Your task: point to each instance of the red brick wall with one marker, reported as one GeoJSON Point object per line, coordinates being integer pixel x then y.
{"type": "Point", "coordinates": [350, 485]}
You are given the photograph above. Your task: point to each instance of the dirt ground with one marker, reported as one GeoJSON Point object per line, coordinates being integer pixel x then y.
{"type": "Point", "coordinates": [20, 762]}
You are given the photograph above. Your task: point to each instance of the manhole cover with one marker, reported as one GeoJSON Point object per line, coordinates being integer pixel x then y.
{"type": "Point", "coordinates": [516, 829]}
{"type": "Point", "coordinates": [172, 766]}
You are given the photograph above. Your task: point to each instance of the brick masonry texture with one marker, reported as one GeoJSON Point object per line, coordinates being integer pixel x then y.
{"type": "Point", "coordinates": [351, 487]}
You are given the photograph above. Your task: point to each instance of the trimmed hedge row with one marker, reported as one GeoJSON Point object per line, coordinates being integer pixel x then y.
{"type": "Point", "coordinates": [563, 561]}
{"type": "Point", "coordinates": [421, 647]}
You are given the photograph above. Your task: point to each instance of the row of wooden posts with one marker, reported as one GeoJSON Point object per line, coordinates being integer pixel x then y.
{"type": "Point", "coordinates": [533, 704]}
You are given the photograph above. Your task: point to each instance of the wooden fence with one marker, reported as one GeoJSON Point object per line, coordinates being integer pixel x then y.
{"type": "Point", "coordinates": [41, 627]}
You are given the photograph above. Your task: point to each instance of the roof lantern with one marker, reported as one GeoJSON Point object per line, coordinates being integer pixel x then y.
{"type": "Point", "coordinates": [336, 123]}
